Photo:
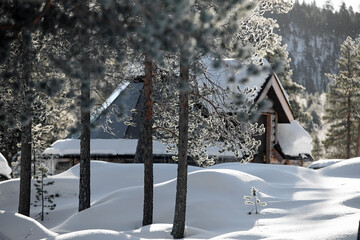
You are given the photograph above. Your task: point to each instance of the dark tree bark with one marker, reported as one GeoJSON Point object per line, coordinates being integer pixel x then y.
{"type": "Point", "coordinates": [25, 170]}
{"type": "Point", "coordinates": [148, 145]}
{"type": "Point", "coordinates": [139, 154]}
{"type": "Point", "coordinates": [81, 13]}
{"type": "Point", "coordinates": [358, 140]}
{"type": "Point", "coordinates": [26, 141]}
{"type": "Point", "coordinates": [84, 187]}
{"type": "Point", "coordinates": [181, 187]}
{"type": "Point", "coordinates": [358, 235]}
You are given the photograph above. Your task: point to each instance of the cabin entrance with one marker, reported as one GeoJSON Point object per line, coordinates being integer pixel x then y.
{"type": "Point", "coordinates": [267, 139]}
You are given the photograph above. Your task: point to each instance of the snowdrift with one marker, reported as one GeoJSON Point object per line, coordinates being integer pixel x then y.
{"type": "Point", "coordinates": [4, 167]}
{"type": "Point", "coordinates": [302, 203]}
{"type": "Point", "coordinates": [349, 168]}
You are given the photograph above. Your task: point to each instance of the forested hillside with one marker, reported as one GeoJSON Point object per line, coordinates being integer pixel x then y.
{"type": "Point", "coordinates": [314, 36]}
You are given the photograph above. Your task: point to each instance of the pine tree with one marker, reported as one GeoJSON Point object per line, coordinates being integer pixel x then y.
{"type": "Point", "coordinates": [278, 57]}
{"type": "Point", "coordinates": [253, 199]}
{"type": "Point", "coordinates": [343, 105]}
{"type": "Point", "coordinates": [181, 186]}
{"type": "Point", "coordinates": [43, 198]}
{"type": "Point", "coordinates": [317, 151]}
{"type": "Point", "coordinates": [20, 29]}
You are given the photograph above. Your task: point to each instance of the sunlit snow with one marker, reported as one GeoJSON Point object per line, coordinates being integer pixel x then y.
{"type": "Point", "coordinates": [4, 167]}
{"type": "Point", "coordinates": [301, 203]}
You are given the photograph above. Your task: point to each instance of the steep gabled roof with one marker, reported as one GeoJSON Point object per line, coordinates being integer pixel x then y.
{"type": "Point", "coordinates": [265, 82]}
{"type": "Point", "coordinates": [128, 97]}
{"type": "Point", "coordinates": [123, 101]}
{"type": "Point", "coordinates": [272, 89]}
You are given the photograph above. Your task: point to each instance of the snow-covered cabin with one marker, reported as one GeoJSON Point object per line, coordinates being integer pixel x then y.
{"type": "Point", "coordinates": [284, 142]}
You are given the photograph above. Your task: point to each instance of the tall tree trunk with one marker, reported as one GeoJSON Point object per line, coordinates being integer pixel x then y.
{"type": "Point", "coordinates": [348, 129]}
{"type": "Point", "coordinates": [181, 187]}
{"type": "Point", "coordinates": [84, 187]}
{"type": "Point", "coordinates": [25, 170]}
{"type": "Point", "coordinates": [139, 154]}
{"type": "Point", "coordinates": [358, 140]}
{"type": "Point", "coordinates": [26, 136]}
{"type": "Point", "coordinates": [148, 145]}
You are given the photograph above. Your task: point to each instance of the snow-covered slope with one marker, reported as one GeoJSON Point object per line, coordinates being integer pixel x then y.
{"type": "Point", "coordinates": [4, 167]}
{"type": "Point", "coordinates": [302, 203]}
{"type": "Point", "coordinates": [323, 163]}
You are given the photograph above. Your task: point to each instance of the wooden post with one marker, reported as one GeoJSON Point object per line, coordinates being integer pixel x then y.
{"type": "Point", "coordinates": [276, 127]}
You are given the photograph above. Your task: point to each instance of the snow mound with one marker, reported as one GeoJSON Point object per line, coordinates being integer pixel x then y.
{"type": "Point", "coordinates": [95, 234]}
{"type": "Point", "coordinates": [323, 163]}
{"type": "Point", "coordinates": [4, 167]}
{"type": "Point", "coordinates": [349, 168]}
{"type": "Point", "coordinates": [301, 203]}
{"type": "Point", "coordinates": [154, 231]}
{"type": "Point", "coordinates": [279, 174]}
{"type": "Point", "coordinates": [9, 227]}
{"type": "Point", "coordinates": [206, 202]}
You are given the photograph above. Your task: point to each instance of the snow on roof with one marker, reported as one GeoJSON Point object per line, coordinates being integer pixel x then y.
{"type": "Point", "coordinates": [233, 69]}
{"type": "Point", "coordinates": [294, 139]}
{"type": "Point", "coordinates": [281, 86]}
{"type": "Point", "coordinates": [115, 147]}
{"type": "Point", "coordinates": [109, 100]}
{"type": "Point", "coordinates": [323, 163]}
{"type": "Point", "coordinates": [124, 102]}
{"type": "Point", "coordinates": [4, 167]}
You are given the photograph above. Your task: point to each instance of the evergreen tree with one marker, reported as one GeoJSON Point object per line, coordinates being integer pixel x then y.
{"type": "Point", "coordinates": [21, 29]}
{"type": "Point", "coordinates": [181, 187]}
{"type": "Point", "coordinates": [43, 198]}
{"type": "Point", "coordinates": [317, 151]}
{"type": "Point", "coordinates": [343, 104]}
{"type": "Point", "coordinates": [358, 96]}
{"type": "Point", "coordinates": [278, 57]}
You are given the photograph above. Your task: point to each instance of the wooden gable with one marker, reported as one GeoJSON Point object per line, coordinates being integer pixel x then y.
{"type": "Point", "coordinates": [273, 91]}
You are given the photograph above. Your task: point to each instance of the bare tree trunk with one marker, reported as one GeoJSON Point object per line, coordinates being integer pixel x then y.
{"type": "Point", "coordinates": [139, 154]}
{"type": "Point", "coordinates": [181, 187]}
{"type": "Point", "coordinates": [26, 136]}
{"type": "Point", "coordinates": [348, 129]}
{"type": "Point", "coordinates": [25, 170]}
{"type": "Point", "coordinates": [148, 145]}
{"type": "Point", "coordinates": [358, 235]}
{"type": "Point", "coordinates": [84, 185]}
{"type": "Point", "coordinates": [358, 140]}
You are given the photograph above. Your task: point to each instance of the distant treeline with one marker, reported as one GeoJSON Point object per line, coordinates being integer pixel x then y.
{"type": "Point", "coordinates": [314, 36]}
{"type": "Point", "coordinates": [324, 20]}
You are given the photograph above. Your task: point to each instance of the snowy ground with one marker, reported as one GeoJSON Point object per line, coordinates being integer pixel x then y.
{"type": "Point", "coordinates": [302, 203]}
